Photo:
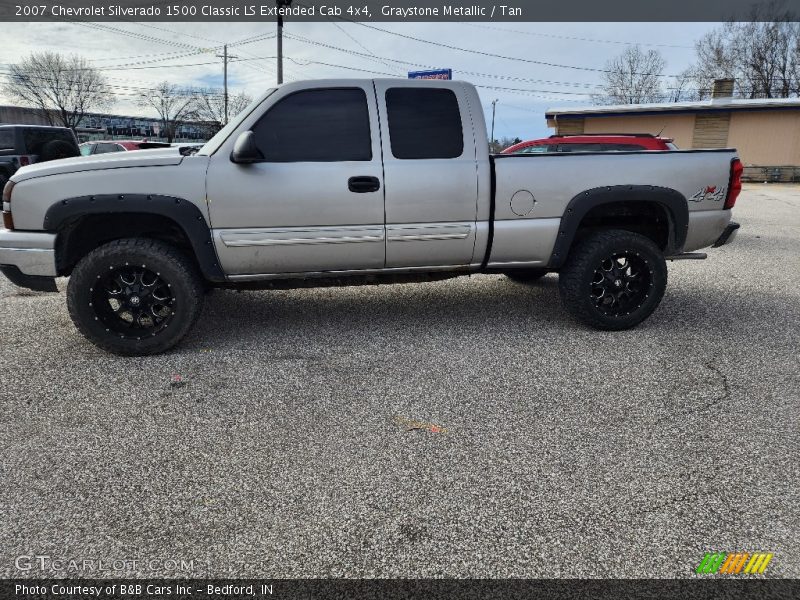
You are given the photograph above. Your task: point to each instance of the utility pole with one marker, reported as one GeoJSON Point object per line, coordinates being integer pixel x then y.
{"type": "Point", "coordinates": [225, 58]}
{"type": "Point", "coordinates": [225, 79]}
{"type": "Point", "coordinates": [494, 108]}
{"type": "Point", "coordinates": [280, 49]}
{"type": "Point", "coordinates": [281, 4]}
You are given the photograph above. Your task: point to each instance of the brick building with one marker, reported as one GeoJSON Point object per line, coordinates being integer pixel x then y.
{"type": "Point", "coordinates": [766, 132]}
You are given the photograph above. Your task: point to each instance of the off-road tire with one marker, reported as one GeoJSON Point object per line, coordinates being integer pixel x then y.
{"type": "Point", "coordinates": [525, 275]}
{"type": "Point", "coordinates": [580, 294]}
{"type": "Point", "coordinates": [177, 275]}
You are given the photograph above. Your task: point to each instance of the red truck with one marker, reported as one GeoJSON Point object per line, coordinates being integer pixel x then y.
{"type": "Point", "coordinates": [593, 142]}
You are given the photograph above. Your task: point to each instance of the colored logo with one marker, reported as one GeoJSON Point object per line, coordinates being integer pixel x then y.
{"type": "Point", "coordinates": [734, 563]}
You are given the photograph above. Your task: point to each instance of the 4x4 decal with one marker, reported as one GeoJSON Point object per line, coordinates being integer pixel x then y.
{"type": "Point", "coordinates": [711, 192]}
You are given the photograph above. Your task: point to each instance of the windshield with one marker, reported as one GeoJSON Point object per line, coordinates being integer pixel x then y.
{"type": "Point", "coordinates": [215, 142]}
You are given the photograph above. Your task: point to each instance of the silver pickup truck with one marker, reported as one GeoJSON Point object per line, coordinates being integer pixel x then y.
{"type": "Point", "coordinates": [345, 182]}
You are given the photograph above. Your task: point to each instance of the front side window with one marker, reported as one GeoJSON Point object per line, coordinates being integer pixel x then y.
{"type": "Point", "coordinates": [424, 123]}
{"type": "Point", "coordinates": [325, 125]}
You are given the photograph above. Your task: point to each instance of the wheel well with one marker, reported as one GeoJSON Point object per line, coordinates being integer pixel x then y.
{"type": "Point", "coordinates": [650, 219]}
{"type": "Point", "coordinates": [79, 236]}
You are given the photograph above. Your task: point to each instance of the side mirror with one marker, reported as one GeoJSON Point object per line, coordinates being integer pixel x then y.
{"type": "Point", "coordinates": [245, 150]}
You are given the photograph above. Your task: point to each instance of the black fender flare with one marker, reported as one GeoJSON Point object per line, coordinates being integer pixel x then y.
{"type": "Point", "coordinates": [186, 214]}
{"type": "Point", "coordinates": [674, 204]}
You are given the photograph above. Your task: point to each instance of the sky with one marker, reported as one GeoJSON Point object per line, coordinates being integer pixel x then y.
{"type": "Point", "coordinates": [137, 56]}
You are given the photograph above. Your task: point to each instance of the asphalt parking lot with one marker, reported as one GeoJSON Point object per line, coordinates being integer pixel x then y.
{"type": "Point", "coordinates": [466, 428]}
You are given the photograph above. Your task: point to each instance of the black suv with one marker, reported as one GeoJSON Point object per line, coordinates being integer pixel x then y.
{"type": "Point", "coordinates": [22, 145]}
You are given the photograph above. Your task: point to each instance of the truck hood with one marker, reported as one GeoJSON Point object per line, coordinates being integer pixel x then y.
{"type": "Point", "coordinates": [159, 157]}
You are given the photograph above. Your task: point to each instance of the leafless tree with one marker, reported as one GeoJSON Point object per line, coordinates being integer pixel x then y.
{"type": "Point", "coordinates": [761, 54]}
{"type": "Point", "coordinates": [498, 146]}
{"type": "Point", "coordinates": [633, 77]}
{"type": "Point", "coordinates": [209, 108]}
{"type": "Point", "coordinates": [683, 88]}
{"type": "Point", "coordinates": [65, 88]}
{"type": "Point", "coordinates": [172, 103]}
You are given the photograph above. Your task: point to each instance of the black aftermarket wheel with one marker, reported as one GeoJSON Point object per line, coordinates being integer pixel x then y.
{"type": "Point", "coordinates": [135, 296]}
{"type": "Point", "coordinates": [613, 279]}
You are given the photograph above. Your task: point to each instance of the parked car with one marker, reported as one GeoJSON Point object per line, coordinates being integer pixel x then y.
{"type": "Point", "coordinates": [594, 142]}
{"type": "Point", "coordinates": [22, 145]}
{"type": "Point", "coordinates": [398, 186]}
{"type": "Point", "coordinates": [106, 146]}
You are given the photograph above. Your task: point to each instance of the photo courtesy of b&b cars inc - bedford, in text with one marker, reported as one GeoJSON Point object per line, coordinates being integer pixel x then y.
{"type": "Point", "coordinates": [399, 300]}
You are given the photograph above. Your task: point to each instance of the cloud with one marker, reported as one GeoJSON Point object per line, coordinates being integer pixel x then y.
{"type": "Point", "coordinates": [137, 56]}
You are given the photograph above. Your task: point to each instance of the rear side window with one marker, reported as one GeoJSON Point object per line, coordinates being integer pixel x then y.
{"type": "Point", "coordinates": [424, 123]}
{"type": "Point", "coordinates": [6, 139]}
{"type": "Point", "coordinates": [536, 149]}
{"type": "Point", "coordinates": [624, 147]}
{"type": "Point", "coordinates": [325, 125]}
{"type": "Point", "coordinates": [580, 147]}
{"type": "Point", "coordinates": [36, 138]}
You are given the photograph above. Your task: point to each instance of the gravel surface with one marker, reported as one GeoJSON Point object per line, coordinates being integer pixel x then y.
{"type": "Point", "coordinates": [459, 429]}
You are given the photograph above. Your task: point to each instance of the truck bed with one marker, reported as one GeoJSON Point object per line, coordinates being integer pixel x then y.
{"type": "Point", "coordinates": [554, 180]}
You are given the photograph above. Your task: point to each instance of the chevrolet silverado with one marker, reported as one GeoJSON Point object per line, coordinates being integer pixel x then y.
{"type": "Point", "coordinates": [346, 182]}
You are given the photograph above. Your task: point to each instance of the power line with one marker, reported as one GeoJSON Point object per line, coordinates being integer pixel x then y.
{"type": "Point", "coordinates": [574, 38]}
{"type": "Point", "coordinates": [146, 62]}
{"type": "Point", "coordinates": [483, 52]}
{"type": "Point", "coordinates": [142, 85]}
{"type": "Point", "coordinates": [12, 77]}
{"type": "Point", "coordinates": [489, 87]}
{"type": "Point", "coordinates": [362, 46]}
{"type": "Point", "coordinates": [415, 64]}
{"type": "Point", "coordinates": [118, 58]}
{"type": "Point", "coordinates": [136, 68]}
{"type": "Point", "coordinates": [189, 35]}
{"type": "Point", "coordinates": [369, 56]}
{"type": "Point", "coordinates": [132, 34]}
{"type": "Point", "coordinates": [493, 55]}
{"type": "Point", "coordinates": [253, 39]}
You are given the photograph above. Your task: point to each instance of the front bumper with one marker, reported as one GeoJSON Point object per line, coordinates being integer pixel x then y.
{"type": "Point", "coordinates": [728, 235]}
{"type": "Point", "coordinates": [27, 258]}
